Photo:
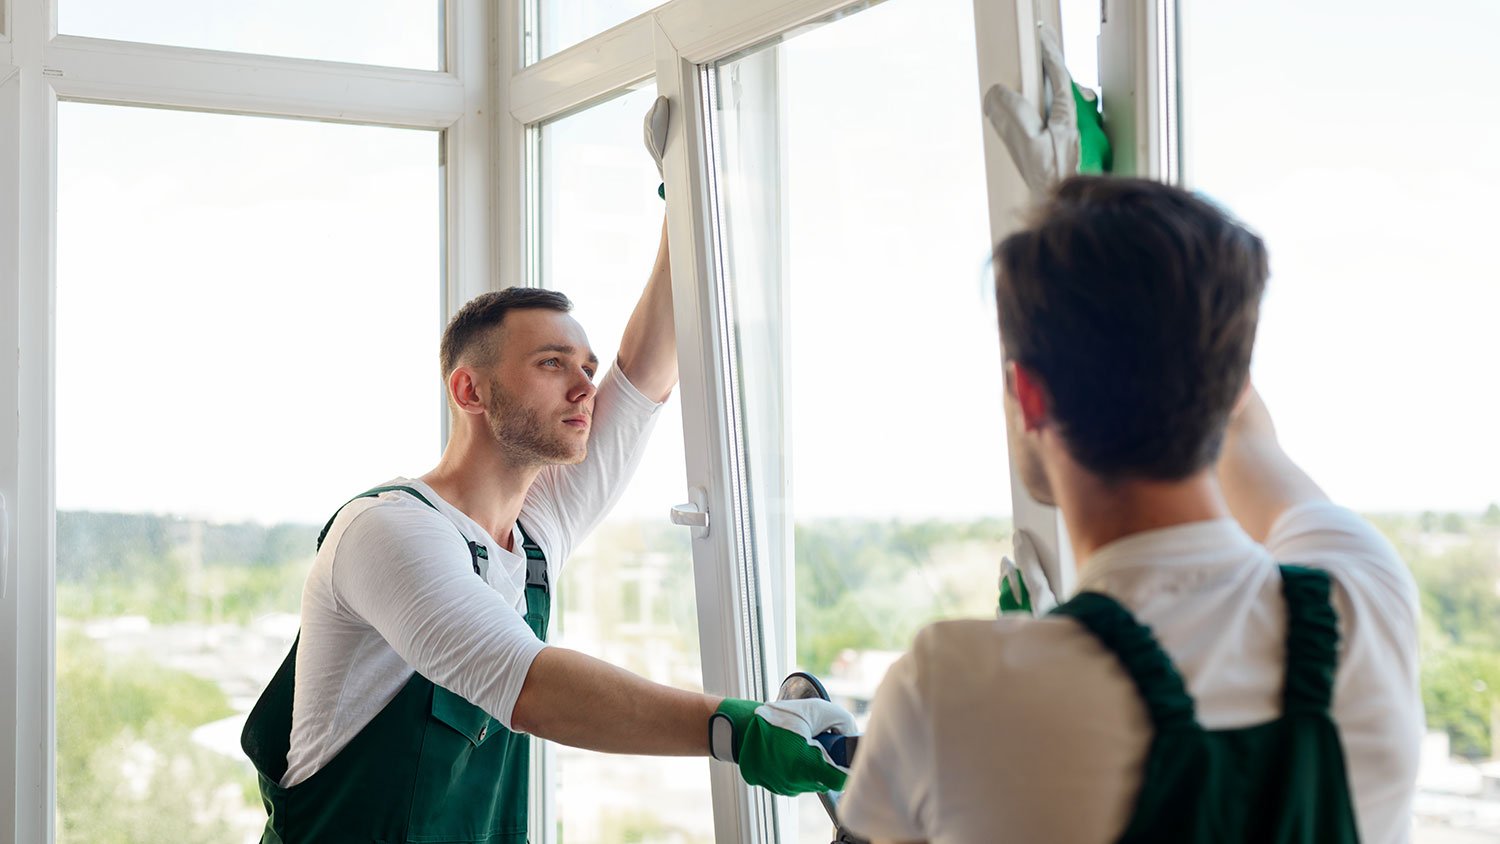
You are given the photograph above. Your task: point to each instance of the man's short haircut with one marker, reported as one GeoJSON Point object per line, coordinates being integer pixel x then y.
{"type": "Point", "coordinates": [1136, 303]}
{"type": "Point", "coordinates": [471, 336]}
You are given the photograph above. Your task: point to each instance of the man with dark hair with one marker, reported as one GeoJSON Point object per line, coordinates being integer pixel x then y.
{"type": "Point", "coordinates": [1193, 690]}
{"type": "Point", "coordinates": [400, 714]}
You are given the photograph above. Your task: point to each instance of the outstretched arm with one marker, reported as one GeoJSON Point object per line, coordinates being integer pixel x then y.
{"type": "Point", "coordinates": [573, 699]}
{"type": "Point", "coordinates": [648, 349]}
{"type": "Point", "coordinates": [1259, 480]}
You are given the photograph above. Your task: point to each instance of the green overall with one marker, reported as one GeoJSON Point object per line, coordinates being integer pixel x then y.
{"type": "Point", "coordinates": [1282, 781]}
{"type": "Point", "coordinates": [430, 768]}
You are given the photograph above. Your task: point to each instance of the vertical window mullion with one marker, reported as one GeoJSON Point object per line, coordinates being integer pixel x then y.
{"type": "Point", "coordinates": [1008, 55]}
{"type": "Point", "coordinates": [28, 113]}
{"type": "Point", "coordinates": [14, 533]}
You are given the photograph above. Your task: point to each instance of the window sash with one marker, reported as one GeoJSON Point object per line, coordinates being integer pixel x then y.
{"type": "Point", "coordinates": [677, 43]}
{"type": "Point", "coordinates": [489, 196]}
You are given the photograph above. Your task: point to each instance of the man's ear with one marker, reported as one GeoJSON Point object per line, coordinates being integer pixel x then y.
{"type": "Point", "coordinates": [1026, 387]}
{"type": "Point", "coordinates": [463, 389]}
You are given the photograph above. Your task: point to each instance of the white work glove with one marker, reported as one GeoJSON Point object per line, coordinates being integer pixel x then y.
{"type": "Point", "coordinates": [655, 130]}
{"type": "Point", "coordinates": [775, 743]}
{"type": "Point", "coordinates": [1025, 586]}
{"type": "Point", "coordinates": [1045, 150]}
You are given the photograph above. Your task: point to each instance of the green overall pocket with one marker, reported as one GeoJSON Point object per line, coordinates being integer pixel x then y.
{"type": "Point", "coordinates": [471, 777]}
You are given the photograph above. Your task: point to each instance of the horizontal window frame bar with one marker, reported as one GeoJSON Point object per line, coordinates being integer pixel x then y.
{"type": "Point", "coordinates": [126, 73]}
{"type": "Point", "coordinates": [699, 31]}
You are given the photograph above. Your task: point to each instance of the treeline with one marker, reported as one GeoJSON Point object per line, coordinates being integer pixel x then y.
{"type": "Point", "coordinates": [861, 585]}
{"type": "Point", "coordinates": [90, 544]}
{"type": "Point", "coordinates": [1455, 559]}
{"type": "Point", "coordinates": [871, 585]}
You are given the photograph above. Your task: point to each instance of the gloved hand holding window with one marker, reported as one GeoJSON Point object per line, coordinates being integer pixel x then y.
{"type": "Point", "coordinates": [1069, 139]}
{"type": "Point", "coordinates": [775, 746]}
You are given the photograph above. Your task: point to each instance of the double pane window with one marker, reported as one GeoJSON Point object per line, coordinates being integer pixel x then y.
{"type": "Point", "coordinates": [247, 332]}
{"type": "Point", "coordinates": [854, 240]}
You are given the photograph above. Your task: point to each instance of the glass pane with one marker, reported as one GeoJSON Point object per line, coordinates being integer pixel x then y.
{"type": "Point", "coordinates": [1080, 37]}
{"type": "Point", "coordinates": [247, 331]}
{"type": "Point", "coordinates": [627, 595]}
{"type": "Point", "coordinates": [397, 33]}
{"type": "Point", "coordinates": [855, 239]}
{"type": "Point", "coordinates": [1377, 341]}
{"type": "Point", "coordinates": [567, 22]}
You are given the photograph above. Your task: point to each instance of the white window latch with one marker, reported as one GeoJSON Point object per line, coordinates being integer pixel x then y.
{"type": "Point", "coordinates": [693, 514]}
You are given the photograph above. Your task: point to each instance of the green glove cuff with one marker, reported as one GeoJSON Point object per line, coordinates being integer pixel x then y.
{"type": "Point", "coordinates": [727, 728]}
{"type": "Point", "coordinates": [1095, 157]}
{"type": "Point", "coordinates": [1011, 602]}
{"type": "Point", "coordinates": [661, 190]}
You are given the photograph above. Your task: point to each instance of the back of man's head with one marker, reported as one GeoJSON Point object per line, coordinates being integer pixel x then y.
{"type": "Point", "coordinates": [1136, 305]}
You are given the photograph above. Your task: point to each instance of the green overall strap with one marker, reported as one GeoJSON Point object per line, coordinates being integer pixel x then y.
{"type": "Point", "coordinates": [1312, 788]}
{"type": "Point", "coordinates": [538, 587]}
{"type": "Point", "coordinates": [1279, 782]}
{"type": "Point", "coordinates": [1312, 640]}
{"type": "Point", "coordinates": [1150, 669]}
{"type": "Point", "coordinates": [477, 552]}
{"type": "Point", "coordinates": [1178, 757]}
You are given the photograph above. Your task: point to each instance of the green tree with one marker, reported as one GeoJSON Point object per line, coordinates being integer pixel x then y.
{"type": "Point", "coordinates": [1491, 515]}
{"type": "Point", "coordinates": [128, 771]}
{"type": "Point", "coordinates": [865, 585]}
{"type": "Point", "coordinates": [1459, 688]}
{"type": "Point", "coordinates": [1457, 584]}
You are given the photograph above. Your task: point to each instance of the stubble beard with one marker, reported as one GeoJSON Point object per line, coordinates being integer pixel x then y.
{"type": "Point", "coordinates": [523, 434]}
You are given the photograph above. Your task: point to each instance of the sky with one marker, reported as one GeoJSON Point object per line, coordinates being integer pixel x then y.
{"type": "Point", "coordinates": [247, 311]}
{"type": "Point", "coordinates": [248, 308]}
{"type": "Point", "coordinates": [398, 33]}
{"type": "Point", "coordinates": [1361, 148]}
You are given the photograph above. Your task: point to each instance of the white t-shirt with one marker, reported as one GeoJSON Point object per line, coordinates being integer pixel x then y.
{"type": "Point", "coordinates": [393, 590]}
{"type": "Point", "coordinates": [1022, 729]}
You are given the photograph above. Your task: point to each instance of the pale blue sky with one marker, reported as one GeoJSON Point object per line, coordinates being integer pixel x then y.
{"type": "Point", "coordinates": [400, 33]}
{"type": "Point", "coordinates": [1355, 137]}
{"type": "Point", "coordinates": [1359, 139]}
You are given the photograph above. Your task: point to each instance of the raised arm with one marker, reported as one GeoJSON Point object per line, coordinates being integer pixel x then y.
{"type": "Point", "coordinates": [576, 497]}
{"type": "Point", "coordinates": [648, 349]}
{"type": "Point", "coordinates": [1259, 480]}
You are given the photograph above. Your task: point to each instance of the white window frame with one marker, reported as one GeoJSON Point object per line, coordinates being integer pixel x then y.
{"type": "Point", "coordinates": [1138, 71]}
{"type": "Point", "coordinates": [489, 191]}
{"type": "Point", "coordinates": [672, 43]}
{"type": "Point", "coordinates": [38, 68]}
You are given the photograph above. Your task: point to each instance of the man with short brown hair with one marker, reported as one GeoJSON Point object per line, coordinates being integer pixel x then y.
{"type": "Point", "coordinates": [401, 713]}
{"type": "Point", "coordinates": [1194, 690]}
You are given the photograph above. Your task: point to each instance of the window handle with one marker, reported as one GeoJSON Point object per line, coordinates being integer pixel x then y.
{"type": "Point", "coordinates": [693, 514]}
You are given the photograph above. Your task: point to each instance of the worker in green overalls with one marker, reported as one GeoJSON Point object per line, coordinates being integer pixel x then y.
{"type": "Point", "coordinates": [1239, 660]}
{"type": "Point", "coordinates": [401, 712]}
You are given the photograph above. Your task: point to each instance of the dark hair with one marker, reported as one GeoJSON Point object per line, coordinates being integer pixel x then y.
{"type": "Point", "coordinates": [1136, 303]}
{"type": "Point", "coordinates": [471, 336]}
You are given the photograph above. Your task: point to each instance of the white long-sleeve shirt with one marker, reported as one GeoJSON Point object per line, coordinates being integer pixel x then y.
{"type": "Point", "coordinates": [393, 589]}
{"type": "Point", "coordinates": [1027, 729]}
